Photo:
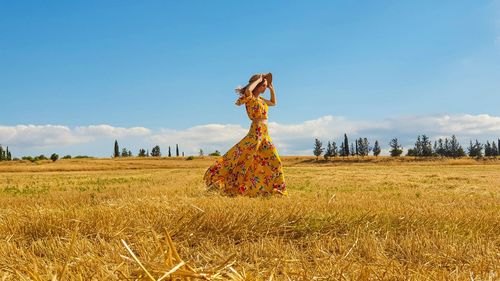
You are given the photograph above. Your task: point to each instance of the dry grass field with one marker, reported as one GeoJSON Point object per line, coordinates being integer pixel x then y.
{"type": "Point", "coordinates": [377, 219]}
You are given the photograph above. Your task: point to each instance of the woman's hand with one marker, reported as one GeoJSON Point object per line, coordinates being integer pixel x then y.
{"type": "Point", "coordinates": [254, 84]}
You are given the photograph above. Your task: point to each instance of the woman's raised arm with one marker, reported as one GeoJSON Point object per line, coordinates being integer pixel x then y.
{"type": "Point", "coordinates": [271, 102]}
{"type": "Point", "coordinates": [248, 95]}
{"type": "Point", "coordinates": [252, 86]}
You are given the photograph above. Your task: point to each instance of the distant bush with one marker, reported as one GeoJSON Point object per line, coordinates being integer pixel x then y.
{"type": "Point", "coordinates": [216, 153]}
{"type": "Point", "coordinates": [41, 157]}
{"type": "Point", "coordinates": [155, 152]}
{"type": "Point", "coordinates": [190, 157]}
{"type": "Point", "coordinates": [396, 149]}
{"type": "Point", "coordinates": [54, 157]}
{"type": "Point", "coordinates": [29, 158]}
{"type": "Point", "coordinates": [142, 153]}
{"type": "Point", "coordinates": [82, 156]}
{"type": "Point", "coordinates": [66, 157]}
{"type": "Point", "coordinates": [36, 158]}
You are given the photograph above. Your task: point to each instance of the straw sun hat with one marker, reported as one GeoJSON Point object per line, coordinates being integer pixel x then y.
{"type": "Point", "coordinates": [267, 76]}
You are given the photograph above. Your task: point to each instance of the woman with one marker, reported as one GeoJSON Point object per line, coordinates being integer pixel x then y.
{"type": "Point", "coordinates": [252, 166]}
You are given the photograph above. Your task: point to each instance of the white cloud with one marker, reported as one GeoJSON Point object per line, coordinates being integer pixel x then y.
{"type": "Point", "coordinates": [299, 137]}
{"type": "Point", "coordinates": [290, 139]}
{"type": "Point", "coordinates": [110, 131]}
{"type": "Point", "coordinates": [39, 136]}
{"type": "Point", "coordinates": [463, 125]}
{"type": "Point", "coordinates": [210, 136]}
{"type": "Point", "coordinates": [46, 136]}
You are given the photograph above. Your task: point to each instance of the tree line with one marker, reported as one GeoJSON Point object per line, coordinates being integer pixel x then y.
{"type": "Point", "coordinates": [54, 157]}
{"type": "Point", "coordinates": [423, 148]}
{"type": "Point", "coordinates": [452, 148]}
{"type": "Point", "coordinates": [155, 151]}
{"type": "Point", "coordinates": [5, 154]}
{"type": "Point", "coordinates": [360, 147]}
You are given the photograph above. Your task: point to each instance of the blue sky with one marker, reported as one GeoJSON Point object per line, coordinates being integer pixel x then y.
{"type": "Point", "coordinates": [170, 67]}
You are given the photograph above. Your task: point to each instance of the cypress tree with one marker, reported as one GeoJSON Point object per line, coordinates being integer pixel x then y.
{"type": "Point", "coordinates": [169, 154]}
{"type": "Point", "coordinates": [352, 150]}
{"type": "Point", "coordinates": [365, 147]}
{"type": "Point", "coordinates": [396, 149]}
{"type": "Point", "coordinates": [328, 152]}
{"type": "Point", "coordinates": [446, 148]}
{"type": "Point", "coordinates": [417, 151]}
{"type": "Point", "coordinates": [318, 149]}
{"type": "Point", "coordinates": [440, 148]}
{"type": "Point", "coordinates": [376, 149]}
{"type": "Point", "coordinates": [335, 151]}
{"type": "Point", "coordinates": [454, 146]}
{"type": "Point", "coordinates": [423, 147]}
{"type": "Point", "coordinates": [117, 150]}
{"type": "Point", "coordinates": [460, 152]}
{"type": "Point", "coordinates": [346, 145]}
{"type": "Point", "coordinates": [470, 149]}
{"type": "Point", "coordinates": [494, 149]}
{"type": "Point", "coordinates": [341, 150]}
{"type": "Point", "coordinates": [426, 146]}
{"type": "Point", "coordinates": [476, 149]}
{"type": "Point", "coordinates": [487, 149]}
{"type": "Point", "coordinates": [479, 149]}
{"type": "Point", "coordinates": [456, 149]}
{"type": "Point", "coordinates": [177, 150]}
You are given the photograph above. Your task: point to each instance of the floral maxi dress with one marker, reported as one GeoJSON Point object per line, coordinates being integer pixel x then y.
{"type": "Point", "coordinates": [252, 166]}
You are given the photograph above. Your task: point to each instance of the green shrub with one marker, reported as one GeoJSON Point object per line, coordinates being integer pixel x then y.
{"type": "Point", "coordinates": [216, 153]}
{"type": "Point", "coordinates": [54, 157]}
{"type": "Point", "coordinates": [29, 158]}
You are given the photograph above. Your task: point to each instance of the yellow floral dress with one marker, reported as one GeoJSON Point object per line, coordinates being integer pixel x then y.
{"type": "Point", "coordinates": [252, 166]}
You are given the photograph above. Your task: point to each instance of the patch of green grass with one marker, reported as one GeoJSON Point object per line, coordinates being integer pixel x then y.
{"type": "Point", "coordinates": [25, 190]}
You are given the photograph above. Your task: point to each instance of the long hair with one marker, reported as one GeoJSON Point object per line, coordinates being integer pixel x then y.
{"type": "Point", "coordinates": [240, 90]}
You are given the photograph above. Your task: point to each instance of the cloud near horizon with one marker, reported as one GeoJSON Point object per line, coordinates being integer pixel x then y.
{"type": "Point", "coordinates": [290, 139]}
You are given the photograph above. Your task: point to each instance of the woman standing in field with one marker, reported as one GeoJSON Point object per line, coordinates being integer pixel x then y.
{"type": "Point", "coordinates": [252, 166]}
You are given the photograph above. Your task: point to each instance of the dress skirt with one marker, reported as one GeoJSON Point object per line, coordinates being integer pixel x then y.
{"type": "Point", "coordinates": [251, 167]}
